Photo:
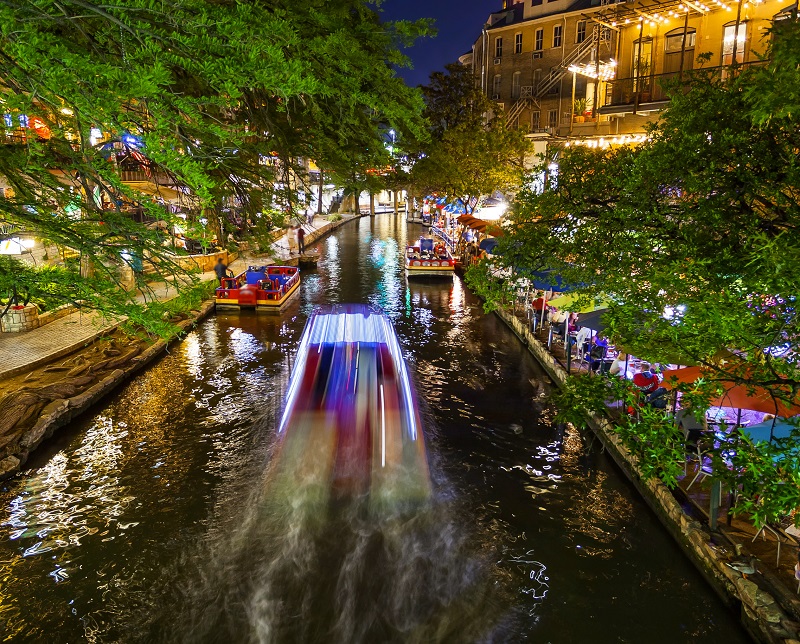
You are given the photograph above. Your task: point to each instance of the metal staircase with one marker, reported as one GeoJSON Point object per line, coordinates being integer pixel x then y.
{"type": "Point", "coordinates": [558, 72]}
{"type": "Point", "coordinates": [525, 100]}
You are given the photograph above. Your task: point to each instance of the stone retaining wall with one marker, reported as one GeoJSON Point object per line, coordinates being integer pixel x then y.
{"type": "Point", "coordinates": [56, 314]}
{"type": "Point", "coordinates": [771, 616]}
{"type": "Point", "coordinates": [60, 412]}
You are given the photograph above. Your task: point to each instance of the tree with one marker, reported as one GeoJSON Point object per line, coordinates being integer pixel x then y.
{"type": "Point", "coordinates": [470, 154]}
{"type": "Point", "coordinates": [694, 238]}
{"type": "Point", "coordinates": [197, 91]}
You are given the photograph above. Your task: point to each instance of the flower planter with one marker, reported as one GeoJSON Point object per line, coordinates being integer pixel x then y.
{"type": "Point", "coordinates": [20, 318]}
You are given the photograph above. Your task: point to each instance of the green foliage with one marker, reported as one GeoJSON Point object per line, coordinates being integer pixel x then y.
{"type": "Point", "coordinates": [701, 223]}
{"type": "Point", "coordinates": [484, 280]}
{"type": "Point", "coordinates": [467, 156]}
{"type": "Point", "coordinates": [224, 98]}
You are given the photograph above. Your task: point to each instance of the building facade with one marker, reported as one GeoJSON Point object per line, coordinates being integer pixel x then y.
{"type": "Point", "coordinates": [593, 70]}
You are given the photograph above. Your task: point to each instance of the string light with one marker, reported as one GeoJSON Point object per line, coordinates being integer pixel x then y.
{"type": "Point", "coordinates": [603, 143]}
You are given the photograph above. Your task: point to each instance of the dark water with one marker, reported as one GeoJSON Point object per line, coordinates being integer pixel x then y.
{"type": "Point", "coordinates": [149, 521]}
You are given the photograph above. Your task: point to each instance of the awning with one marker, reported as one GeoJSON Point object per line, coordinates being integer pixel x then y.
{"type": "Point", "coordinates": [736, 396]}
{"type": "Point", "coordinates": [592, 320]}
{"type": "Point", "coordinates": [167, 194]}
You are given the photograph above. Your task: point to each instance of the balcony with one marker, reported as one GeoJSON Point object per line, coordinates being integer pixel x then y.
{"type": "Point", "coordinates": [647, 94]}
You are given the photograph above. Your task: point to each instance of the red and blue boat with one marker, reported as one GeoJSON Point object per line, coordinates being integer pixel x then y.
{"type": "Point", "coordinates": [430, 258]}
{"type": "Point", "coordinates": [351, 428]}
{"type": "Point", "coordinates": [264, 288]}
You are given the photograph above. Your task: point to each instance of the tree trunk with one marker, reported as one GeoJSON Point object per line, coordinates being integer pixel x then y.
{"type": "Point", "coordinates": [396, 211]}
{"type": "Point", "coordinates": [371, 204]}
{"type": "Point", "coordinates": [319, 195]}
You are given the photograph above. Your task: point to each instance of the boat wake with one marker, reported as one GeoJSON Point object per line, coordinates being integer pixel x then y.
{"type": "Point", "coordinates": [347, 575]}
{"type": "Point", "coordinates": [346, 538]}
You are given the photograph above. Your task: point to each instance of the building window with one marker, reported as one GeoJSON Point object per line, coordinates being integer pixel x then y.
{"type": "Point", "coordinates": [728, 41]}
{"type": "Point", "coordinates": [498, 47]}
{"type": "Point", "coordinates": [538, 42]}
{"type": "Point", "coordinates": [552, 118]}
{"type": "Point", "coordinates": [496, 86]}
{"type": "Point", "coordinates": [535, 120]}
{"type": "Point", "coordinates": [518, 43]}
{"type": "Point", "coordinates": [642, 59]}
{"type": "Point", "coordinates": [557, 31]}
{"type": "Point", "coordinates": [679, 50]}
{"type": "Point", "coordinates": [580, 34]}
{"type": "Point", "coordinates": [515, 80]}
{"type": "Point", "coordinates": [674, 40]}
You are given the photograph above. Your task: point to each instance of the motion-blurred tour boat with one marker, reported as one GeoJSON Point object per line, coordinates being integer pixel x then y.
{"type": "Point", "coordinates": [351, 427]}
{"type": "Point", "coordinates": [429, 257]}
{"type": "Point", "coordinates": [264, 288]}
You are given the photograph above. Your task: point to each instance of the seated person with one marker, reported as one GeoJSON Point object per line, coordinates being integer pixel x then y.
{"type": "Point", "coordinates": [538, 304]}
{"type": "Point", "coordinates": [596, 352]}
{"type": "Point", "coordinates": [618, 367]}
{"type": "Point", "coordinates": [649, 383]}
{"type": "Point", "coordinates": [558, 319]}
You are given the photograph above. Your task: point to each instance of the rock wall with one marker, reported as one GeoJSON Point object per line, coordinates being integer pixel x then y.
{"type": "Point", "coordinates": [33, 413]}
{"type": "Point", "coordinates": [767, 611]}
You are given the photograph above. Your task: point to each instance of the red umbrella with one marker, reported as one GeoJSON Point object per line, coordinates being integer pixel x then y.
{"type": "Point", "coordinates": [738, 396]}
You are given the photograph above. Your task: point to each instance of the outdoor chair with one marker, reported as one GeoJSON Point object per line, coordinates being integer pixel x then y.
{"type": "Point", "coordinates": [702, 455]}
{"type": "Point", "coordinates": [774, 531]}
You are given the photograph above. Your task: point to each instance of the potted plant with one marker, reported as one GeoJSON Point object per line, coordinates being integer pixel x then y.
{"type": "Point", "coordinates": [642, 76]}
{"type": "Point", "coordinates": [578, 108]}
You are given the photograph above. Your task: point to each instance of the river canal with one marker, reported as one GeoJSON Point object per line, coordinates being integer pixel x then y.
{"type": "Point", "coordinates": [148, 520]}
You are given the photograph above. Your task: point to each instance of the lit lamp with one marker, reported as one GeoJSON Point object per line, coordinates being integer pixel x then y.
{"type": "Point", "coordinates": [16, 246]}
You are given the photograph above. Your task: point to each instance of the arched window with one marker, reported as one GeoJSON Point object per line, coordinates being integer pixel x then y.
{"type": "Point", "coordinates": [732, 40]}
{"type": "Point", "coordinates": [496, 86]}
{"type": "Point", "coordinates": [676, 42]}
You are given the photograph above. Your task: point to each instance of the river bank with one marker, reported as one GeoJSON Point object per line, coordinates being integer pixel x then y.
{"type": "Point", "coordinates": [55, 389]}
{"type": "Point", "coordinates": [767, 610]}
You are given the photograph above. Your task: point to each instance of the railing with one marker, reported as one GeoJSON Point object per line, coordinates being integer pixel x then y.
{"type": "Point", "coordinates": [142, 175]}
{"type": "Point", "coordinates": [650, 89]}
{"type": "Point", "coordinates": [558, 72]}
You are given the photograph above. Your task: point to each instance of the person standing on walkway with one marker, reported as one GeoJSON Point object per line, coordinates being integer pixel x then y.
{"type": "Point", "coordinates": [291, 238]}
{"type": "Point", "coordinates": [301, 239]}
{"type": "Point", "coordinates": [222, 270]}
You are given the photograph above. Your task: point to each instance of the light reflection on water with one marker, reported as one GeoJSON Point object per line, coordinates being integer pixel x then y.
{"type": "Point", "coordinates": [148, 515]}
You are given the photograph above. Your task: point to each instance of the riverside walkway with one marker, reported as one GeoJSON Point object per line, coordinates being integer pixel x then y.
{"type": "Point", "coordinates": [20, 352]}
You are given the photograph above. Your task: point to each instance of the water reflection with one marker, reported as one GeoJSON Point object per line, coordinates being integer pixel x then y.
{"type": "Point", "coordinates": [148, 520]}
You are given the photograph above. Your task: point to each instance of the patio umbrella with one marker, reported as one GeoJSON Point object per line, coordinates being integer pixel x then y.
{"type": "Point", "coordinates": [592, 320]}
{"type": "Point", "coordinates": [548, 280]}
{"type": "Point", "coordinates": [769, 429]}
{"type": "Point", "coordinates": [488, 244]}
{"type": "Point", "coordinates": [465, 219]}
{"type": "Point", "coordinates": [478, 224]}
{"type": "Point", "coordinates": [565, 300]}
{"type": "Point", "coordinates": [736, 396]}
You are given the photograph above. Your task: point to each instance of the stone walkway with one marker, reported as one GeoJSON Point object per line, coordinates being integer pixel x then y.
{"type": "Point", "coordinates": [20, 352]}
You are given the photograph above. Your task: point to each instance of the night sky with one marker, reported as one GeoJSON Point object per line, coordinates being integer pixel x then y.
{"type": "Point", "coordinates": [459, 23]}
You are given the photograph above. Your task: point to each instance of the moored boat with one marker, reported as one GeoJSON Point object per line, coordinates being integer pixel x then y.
{"type": "Point", "coordinates": [264, 288]}
{"type": "Point", "coordinates": [429, 257]}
